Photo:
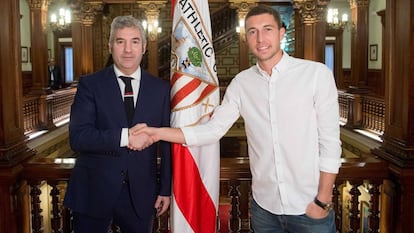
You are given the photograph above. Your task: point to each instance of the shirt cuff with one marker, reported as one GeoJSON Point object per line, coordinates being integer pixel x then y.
{"type": "Point", "coordinates": [189, 136]}
{"type": "Point", "coordinates": [330, 165]}
{"type": "Point", "coordinates": [124, 137]}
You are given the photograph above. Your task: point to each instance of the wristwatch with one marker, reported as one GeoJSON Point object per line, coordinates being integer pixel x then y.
{"type": "Point", "coordinates": [326, 206]}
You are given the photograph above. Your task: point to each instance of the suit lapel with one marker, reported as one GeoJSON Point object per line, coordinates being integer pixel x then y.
{"type": "Point", "coordinates": [113, 95]}
{"type": "Point", "coordinates": [143, 88]}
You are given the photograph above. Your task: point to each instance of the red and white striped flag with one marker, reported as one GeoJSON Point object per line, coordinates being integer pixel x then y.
{"type": "Point", "coordinates": [194, 95]}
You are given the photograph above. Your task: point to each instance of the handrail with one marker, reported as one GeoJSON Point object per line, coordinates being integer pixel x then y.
{"type": "Point", "coordinates": [235, 178]}
{"type": "Point", "coordinates": [362, 111]}
{"type": "Point", "coordinates": [43, 112]}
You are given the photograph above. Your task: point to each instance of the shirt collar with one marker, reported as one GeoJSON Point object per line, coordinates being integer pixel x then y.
{"type": "Point", "coordinates": [280, 66]}
{"type": "Point", "coordinates": [283, 63]}
{"type": "Point", "coordinates": [136, 75]}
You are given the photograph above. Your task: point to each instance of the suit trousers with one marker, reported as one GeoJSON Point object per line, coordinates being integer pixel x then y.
{"type": "Point", "coordinates": [124, 216]}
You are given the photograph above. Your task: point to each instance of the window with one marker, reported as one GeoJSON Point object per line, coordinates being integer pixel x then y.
{"type": "Point", "coordinates": [68, 64]}
{"type": "Point", "coordinates": [330, 56]}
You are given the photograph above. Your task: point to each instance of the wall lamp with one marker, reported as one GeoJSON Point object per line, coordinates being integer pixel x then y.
{"type": "Point", "coordinates": [152, 29]}
{"type": "Point", "coordinates": [241, 30]}
{"type": "Point", "coordinates": [333, 19]}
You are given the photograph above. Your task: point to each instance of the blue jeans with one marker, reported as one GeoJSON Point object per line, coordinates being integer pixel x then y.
{"type": "Point", "coordinates": [265, 222]}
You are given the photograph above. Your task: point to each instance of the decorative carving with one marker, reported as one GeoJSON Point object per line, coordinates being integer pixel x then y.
{"type": "Point", "coordinates": [18, 151]}
{"type": "Point", "coordinates": [242, 6]}
{"type": "Point", "coordinates": [354, 212]}
{"type": "Point", "coordinates": [374, 219]}
{"type": "Point", "coordinates": [396, 151]}
{"type": "Point", "coordinates": [234, 194]}
{"type": "Point", "coordinates": [35, 4]}
{"type": "Point", "coordinates": [85, 12]}
{"type": "Point", "coordinates": [359, 3]}
{"type": "Point", "coordinates": [37, 218]}
{"type": "Point", "coordinates": [153, 6]}
{"type": "Point", "coordinates": [312, 11]}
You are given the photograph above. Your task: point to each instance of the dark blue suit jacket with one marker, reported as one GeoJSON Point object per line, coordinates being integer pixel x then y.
{"type": "Point", "coordinates": [97, 117]}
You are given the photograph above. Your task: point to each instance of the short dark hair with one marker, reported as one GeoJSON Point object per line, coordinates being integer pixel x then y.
{"type": "Point", "coordinates": [264, 9]}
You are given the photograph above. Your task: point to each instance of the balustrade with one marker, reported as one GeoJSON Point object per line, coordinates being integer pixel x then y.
{"type": "Point", "coordinates": [44, 112]}
{"type": "Point", "coordinates": [31, 119]}
{"type": "Point", "coordinates": [61, 104]}
{"type": "Point", "coordinates": [343, 106]}
{"type": "Point", "coordinates": [362, 112]}
{"type": "Point", "coordinates": [373, 113]}
{"type": "Point", "coordinates": [235, 178]}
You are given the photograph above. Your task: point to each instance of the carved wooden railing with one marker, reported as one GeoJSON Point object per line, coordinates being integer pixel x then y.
{"type": "Point", "coordinates": [368, 172]}
{"type": "Point", "coordinates": [235, 180]}
{"type": "Point", "coordinates": [44, 111]}
{"type": "Point", "coordinates": [55, 173]}
{"type": "Point", "coordinates": [31, 117]}
{"type": "Point", "coordinates": [235, 175]}
{"type": "Point", "coordinates": [362, 112]}
{"type": "Point", "coordinates": [343, 99]}
{"type": "Point", "coordinates": [61, 103]}
{"type": "Point", "coordinates": [373, 114]}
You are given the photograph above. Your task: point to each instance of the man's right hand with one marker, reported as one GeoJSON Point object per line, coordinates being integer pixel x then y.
{"type": "Point", "coordinates": [139, 141]}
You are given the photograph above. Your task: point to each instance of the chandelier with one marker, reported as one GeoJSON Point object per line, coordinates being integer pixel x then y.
{"type": "Point", "coordinates": [60, 21]}
{"type": "Point", "coordinates": [333, 19]}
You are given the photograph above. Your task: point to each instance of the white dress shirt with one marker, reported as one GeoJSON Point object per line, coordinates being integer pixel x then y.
{"type": "Point", "coordinates": [135, 82]}
{"type": "Point", "coordinates": [292, 127]}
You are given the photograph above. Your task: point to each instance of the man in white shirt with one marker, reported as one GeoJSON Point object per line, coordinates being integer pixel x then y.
{"type": "Point", "coordinates": [291, 115]}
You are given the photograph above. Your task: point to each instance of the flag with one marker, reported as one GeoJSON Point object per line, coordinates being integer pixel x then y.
{"type": "Point", "coordinates": [194, 95]}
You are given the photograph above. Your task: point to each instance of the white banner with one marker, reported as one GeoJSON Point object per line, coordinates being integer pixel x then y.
{"type": "Point", "coordinates": [194, 95]}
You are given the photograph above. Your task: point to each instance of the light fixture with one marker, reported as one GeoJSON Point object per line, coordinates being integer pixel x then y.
{"type": "Point", "coordinates": [240, 29]}
{"type": "Point", "coordinates": [152, 29]}
{"type": "Point", "coordinates": [61, 20]}
{"type": "Point", "coordinates": [333, 19]}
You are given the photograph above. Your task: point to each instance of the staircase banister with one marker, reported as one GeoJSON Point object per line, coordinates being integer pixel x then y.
{"type": "Point", "coordinates": [48, 168]}
{"type": "Point", "coordinates": [367, 168]}
{"type": "Point", "coordinates": [235, 168]}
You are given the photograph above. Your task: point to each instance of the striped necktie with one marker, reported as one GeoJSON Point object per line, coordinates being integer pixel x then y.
{"type": "Point", "coordinates": [128, 99]}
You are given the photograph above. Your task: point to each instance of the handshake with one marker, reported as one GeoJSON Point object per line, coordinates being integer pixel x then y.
{"type": "Point", "coordinates": [141, 136]}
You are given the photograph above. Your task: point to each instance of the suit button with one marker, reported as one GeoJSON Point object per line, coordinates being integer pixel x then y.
{"type": "Point", "coordinates": [122, 173]}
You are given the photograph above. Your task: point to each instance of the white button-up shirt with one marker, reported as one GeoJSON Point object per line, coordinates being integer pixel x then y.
{"type": "Point", "coordinates": [292, 127]}
{"type": "Point", "coordinates": [135, 83]}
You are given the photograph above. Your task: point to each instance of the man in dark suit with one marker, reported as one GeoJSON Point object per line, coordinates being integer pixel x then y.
{"type": "Point", "coordinates": [55, 77]}
{"type": "Point", "coordinates": [110, 183]}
